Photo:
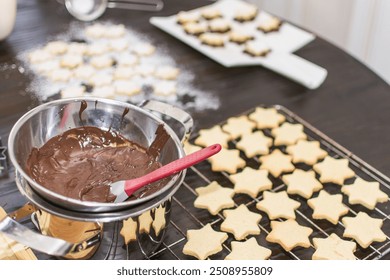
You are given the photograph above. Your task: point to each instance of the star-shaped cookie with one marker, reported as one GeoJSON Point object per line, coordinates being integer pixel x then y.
{"type": "Point", "coordinates": [333, 248]}
{"type": "Point", "coordinates": [364, 229]}
{"type": "Point", "coordinates": [254, 144]}
{"type": "Point", "coordinates": [189, 148]}
{"type": "Point", "coordinates": [278, 205]}
{"type": "Point", "coordinates": [208, 137]}
{"type": "Point", "coordinates": [289, 234]}
{"type": "Point", "coordinates": [328, 206]}
{"type": "Point", "coordinates": [248, 250]}
{"type": "Point", "coordinates": [241, 222]}
{"type": "Point", "coordinates": [303, 183]}
{"type": "Point", "coordinates": [227, 160]}
{"type": "Point", "coordinates": [159, 221]}
{"type": "Point", "coordinates": [129, 230]}
{"type": "Point", "coordinates": [251, 181]}
{"type": "Point", "coordinates": [308, 152]}
{"type": "Point", "coordinates": [333, 170]}
{"type": "Point", "coordinates": [267, 118]}
{"type": "Point", "coordinates": [145, 221]}
{"type": "Point", "coordinates": [238, 126]}
{"type": "Point", "coordinates": [365, 193]}
{"type": "Point", "coordinates": [276, 163]}
{"type": "Point", "coordinates": [214, 198]}
{"type": "Point", "coordinates": [204, 242]}
{"type": "Point", "coordinates": [288, 134]}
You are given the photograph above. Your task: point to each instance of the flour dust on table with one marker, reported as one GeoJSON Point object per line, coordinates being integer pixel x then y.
{"type": "Point", "coordinates": [110, 61]}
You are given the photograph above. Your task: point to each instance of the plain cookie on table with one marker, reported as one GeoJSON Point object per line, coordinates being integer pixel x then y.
{"type": "Point", "coordinates": [103, 91]}
{"type": "Point", "coordinates": [73, 91]}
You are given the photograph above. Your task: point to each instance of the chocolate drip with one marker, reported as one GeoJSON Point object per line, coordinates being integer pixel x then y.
{"type": "Point", "coordinates": [159, 141]}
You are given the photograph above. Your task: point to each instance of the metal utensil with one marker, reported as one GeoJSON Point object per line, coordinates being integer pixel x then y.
{"type": "Point", "coordinates": [88, 10]}
{"type": "Point", "coordinates": [123, 189]}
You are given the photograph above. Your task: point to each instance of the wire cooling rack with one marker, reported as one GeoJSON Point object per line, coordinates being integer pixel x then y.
{"type": "Point", "coordinates": [185, 216]}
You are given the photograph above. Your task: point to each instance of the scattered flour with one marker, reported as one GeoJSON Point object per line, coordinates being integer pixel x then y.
{"type": "Point", "coordinates": [128, 48]}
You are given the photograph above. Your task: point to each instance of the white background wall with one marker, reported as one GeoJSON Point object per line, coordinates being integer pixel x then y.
{"type": "Point", "coordinates": [361, 27]}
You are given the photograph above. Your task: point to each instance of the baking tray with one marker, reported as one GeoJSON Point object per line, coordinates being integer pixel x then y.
{"type": "Point", "coordinates": [185, 216]}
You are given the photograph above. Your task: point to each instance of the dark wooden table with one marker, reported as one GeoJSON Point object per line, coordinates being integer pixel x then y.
{"type": "Point", "coordinates": [352, 106]}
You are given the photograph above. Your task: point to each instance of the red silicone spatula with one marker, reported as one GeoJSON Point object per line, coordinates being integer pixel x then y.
{"type": "Point", "coordinates": [123, 189]}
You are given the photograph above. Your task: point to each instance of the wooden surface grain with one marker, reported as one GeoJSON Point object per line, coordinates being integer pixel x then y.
{"type": "Point", "coordinates": [352, 106]}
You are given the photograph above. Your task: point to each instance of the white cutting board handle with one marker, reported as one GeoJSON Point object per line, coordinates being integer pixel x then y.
{"type": "Point", "coordinates": [296, 68]}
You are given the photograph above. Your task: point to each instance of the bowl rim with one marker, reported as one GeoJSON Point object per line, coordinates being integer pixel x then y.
{"type": "Point", "coordinates": [90, 205]}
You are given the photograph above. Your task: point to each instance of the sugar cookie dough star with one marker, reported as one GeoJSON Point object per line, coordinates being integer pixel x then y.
{"type": "Point", "coordinates": [238, 126]}
{"type": "Point", "coordinates": [254, 144]}
{"type": "Point", "coordinates": [248, 250]}
{"type": "Point", "coordinates": [251, 181]}
{"type": "Point", "coordinates": [333, 170]}
{"type": "Point", "coordinates": [308, 152]}
{"type": "Point", "coordinates": [241, 222]}
{"type": "Point", "coordinates": [227, 160]}
{"type": "Point", "coordinates": [266, 118]}
{"type": "Point", "coordinates": [288, 134]}
{"type": "Point", "coordinates": [289, 234]}
{"type": "Point", "coordinates": [365, 193]}
{"type": "Point", "coordinates": [333, 248]}
{"type": "Point", "coordinates": [204, 242]}
{"type": "Point", "coordinates": [129, 230]}
{"type": "Point", "coordinates": [276, 163]}
{"type": "Point", "coordinates": [328, 206]}
{"type": "Point", "coordinates": [214, 198]}
{"type": "Point", "coordinates": [278, 205]}
{"type": "Point", "coordinates": [363, 229]}
{"type": "Point", "coordinates": [303, 183]}
{"type": "Point", "coordinates": [208, 137]}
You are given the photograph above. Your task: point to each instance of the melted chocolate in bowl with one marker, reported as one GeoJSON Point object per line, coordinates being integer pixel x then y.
{"type": "Point", "coordinates": [82, 162]}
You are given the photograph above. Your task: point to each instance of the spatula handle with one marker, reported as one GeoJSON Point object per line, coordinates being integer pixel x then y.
{"type": "Point", "coordinates": [171, 168]}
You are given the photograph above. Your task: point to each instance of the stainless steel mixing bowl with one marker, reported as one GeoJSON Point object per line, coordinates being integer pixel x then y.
{"type": "Point", "coordinates": [45, 121]}
{"type": "Point", "coordinates": [37, 126]}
